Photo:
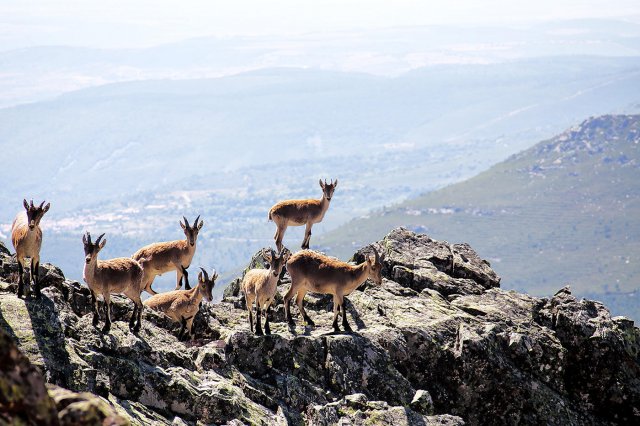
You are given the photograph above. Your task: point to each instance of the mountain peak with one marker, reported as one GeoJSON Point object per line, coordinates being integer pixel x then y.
{"type": "Point", "coordinates": [594, 136]}
{"type": "Point", "coordinates": [438, 343]}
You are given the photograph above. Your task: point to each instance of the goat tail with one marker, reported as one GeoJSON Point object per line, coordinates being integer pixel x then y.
{"type": "Point", "coordinates": [141, 262]}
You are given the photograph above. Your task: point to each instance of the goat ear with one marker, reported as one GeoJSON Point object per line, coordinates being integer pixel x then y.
{"type": "Point", "coordinates": [266, 255]}
{"type": "Point", "coordinates": [200, 277]}
{"type": "Point", "coordinates": [286, 254]}
{"type": "Point", "coordinates": [46, 208]}
{"type": "Point", "coordinates": [102, 243]}
{"type": "Point", "coordinates": [25, 204]}
{"type": "Point", "coordinates": [84, 239]}
{"type": "Point", "coordinates": [183, 226]}
{"type": "Point", "coordinates": [200, 225]}
{"type": "Point", "coordinates": [335, 184]}
{"type": "Point", "coordinates": [321, 184]}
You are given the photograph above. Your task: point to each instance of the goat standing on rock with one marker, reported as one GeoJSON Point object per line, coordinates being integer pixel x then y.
{"type": "Point", "coordinates": [261, 285]}
{"type": "Point", "coordinates": [26, 237]}
{"type": "Point", "coordinates": [301, 212]}
{"type": "Point", "coordinates": [317, 273]}
{"type": "Point", "coordinates": [183, 305]}
{"type": "Point", "coordinates": [170, 256]}
{"type": "Point", "coordinates": [119, 275]}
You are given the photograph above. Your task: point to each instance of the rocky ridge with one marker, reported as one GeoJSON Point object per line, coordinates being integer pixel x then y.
{"type": "Point", "coordinates": [439, 343]}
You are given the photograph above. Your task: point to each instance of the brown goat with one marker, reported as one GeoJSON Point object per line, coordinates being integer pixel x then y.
{"type": "Point", "coordinates": [183, 305]}
{"type": "Point", "coordinates": [261, 285]}
{"type": "Point", "coordinates": [301, 212]}
{"type": "Point", "coordinates": [317, 273]}
{"type": "Point", "coordinates": [170, 256]}
{"type": "Point", "coordinates": [26, 237]}
{"type": "Point", "coordinates": [119, 275]}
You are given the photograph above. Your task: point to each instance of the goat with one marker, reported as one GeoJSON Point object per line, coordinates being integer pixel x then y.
{"type": "Point", "coordinates": [169, 256]}
{"type": "Point", "coordinates": [301, 212]}
{"type": "Point", "coordinates": [26, 237]}
{"type": "Point", "coordinates": [183, 305]}
{"type": "Point", "coordinates": [314, 272]}
{"type": "Point", "coordinates": [119, 275]}
{"type": "Point", "coordinates": [260, 285]}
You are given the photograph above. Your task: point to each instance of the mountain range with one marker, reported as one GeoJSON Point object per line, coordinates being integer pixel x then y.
{"type": "Point", "coordinates": [131, 159]}
{"type": "Point", "coordinates": [36, 73]}
{"type": "Point", "coordinates": [115, 140]}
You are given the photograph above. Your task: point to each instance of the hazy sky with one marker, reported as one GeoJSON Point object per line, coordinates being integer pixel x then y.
{"type": "Point", "coordinates": [135, 23]}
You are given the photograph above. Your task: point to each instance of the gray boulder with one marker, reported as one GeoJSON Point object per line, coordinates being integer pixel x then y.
{"type": "Point", "coordinates": [437, 343]}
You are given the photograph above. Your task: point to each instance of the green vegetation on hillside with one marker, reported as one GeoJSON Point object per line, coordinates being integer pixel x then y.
{"type": "Point", "coordinates": [564, 211]}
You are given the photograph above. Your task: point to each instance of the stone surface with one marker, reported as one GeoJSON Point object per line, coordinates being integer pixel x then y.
{"type": "Point", "coordinates": [3, 249]}
{"type": "Point", "coordinates": [78, 409]}
{"type": "Point", "coordinates": [422, 402]}
{"type": "Point", "coordinates": [437, 343]}
{"type": "Point", "coordinates": [357, 410]}
{"type": "Point", "coordinates": [23, 395]}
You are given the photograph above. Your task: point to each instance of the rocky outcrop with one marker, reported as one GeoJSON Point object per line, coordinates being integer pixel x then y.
{"type": "Point", "coordinates": [23, 395]}
{"type": "Point", "coordinates": [437, 343]}
{"type": "Point", "coordinates": [418, 262]}
{"type": "Point", "coordinates": [358, 410]}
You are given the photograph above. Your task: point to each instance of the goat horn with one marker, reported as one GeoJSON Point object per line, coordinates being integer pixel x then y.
{"type": "Point", "coordinates": [273, 253]}
{"type": "Point", "coordinates": [31, 204]}
{"type": "Point", "coordinates": [41, 205]}
{"type": "Point", "coordinates": [195, 224]}
{"type": "Point", "coordinates": [375, 253]}
{"type": "Point", "coordinates": [99, 238]}
{"type": "Point", "coordinates": [206, 276]}
{"type": "Point", "coordinates": [186, 222]}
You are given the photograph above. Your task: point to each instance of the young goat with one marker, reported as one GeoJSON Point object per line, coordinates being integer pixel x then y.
{"type": "Point", "coordinates": [260, 285]}
{"type": "Point", "coordinates": [170, 256]}
{"type": "Point", "coordinates": [119, 275]}
{"type": "Point", "coordinates": [301, 212]}
{"type": "Point", "coordinates": [183, 305]}
{"type": "Point", "coordinates": [26, 237]}
{"type": "Point", "coordinates": [311, 271]}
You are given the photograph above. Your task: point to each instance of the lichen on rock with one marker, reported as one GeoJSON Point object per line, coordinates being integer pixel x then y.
{"type": "Point", "coordinates": [437, 343]}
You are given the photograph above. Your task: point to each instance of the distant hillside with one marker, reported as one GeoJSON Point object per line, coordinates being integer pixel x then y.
{"type": "Point", "coordinates": [118, 139]}
{"type": "Point", "coordinates": [37, 73]}
{"type": "Point", "coordinates": [564, 211]}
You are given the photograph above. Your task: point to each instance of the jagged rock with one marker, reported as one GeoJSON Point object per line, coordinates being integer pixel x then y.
{"type": "Point", "coordinates": [4, 250]}
{"type": "Point", "coordinates": [23, 395]}
{"type": "Point", "coordinates": [482, 354]}
{"type": "Point", "coordinates": [357, 410]}
{"type": "Point", "coordinates": [232, 290]}
{"type": "Point", "coordinates": [418, 262]}
{"type": "Point", "coordinates": [76, 409]}
{"type": "Point", "coordinates": [336, 365]}
{"type": "Point", "coordinates": [422, 402]}
{"type": "Point", "coordinates": [595, 344]}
